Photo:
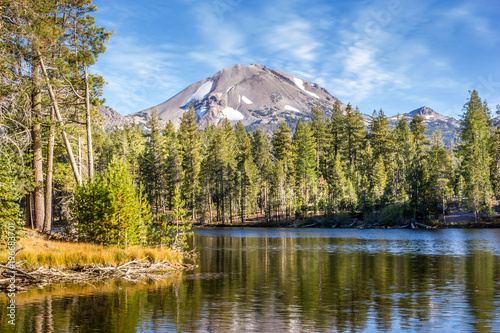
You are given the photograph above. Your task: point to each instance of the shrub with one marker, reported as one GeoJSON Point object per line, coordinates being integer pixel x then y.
{"type": "Point", "coordinates": [341, 218]}
{"type": "Point", "coordinates": [109, 210]}
{"type": "Point", "coordinates": [392, 214]}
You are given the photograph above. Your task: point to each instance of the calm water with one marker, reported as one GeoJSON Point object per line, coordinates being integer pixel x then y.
{"type": "Point", "coordinates": [282, 280]}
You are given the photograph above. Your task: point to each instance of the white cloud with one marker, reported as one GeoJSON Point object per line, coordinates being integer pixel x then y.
{"type": "Point", "coordinates": [293, 40]}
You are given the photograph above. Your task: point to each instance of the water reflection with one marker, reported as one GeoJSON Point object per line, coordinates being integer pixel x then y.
{"type": "Point", "coordinates": [294, 281]}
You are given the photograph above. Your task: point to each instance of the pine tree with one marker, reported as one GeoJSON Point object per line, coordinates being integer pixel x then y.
{"type": "Point", "coordinates": [337, 130]}
{"type": "Point", "coordinates": [246, 169]}
{"type": "Point", "coordinates": [322, 136]}
{"type": "Point", "coordinates": [378, 181]}
{"type": "Point", "coordinates": [355, 134]}
{"type": "Point", "coordinates": [379, 136]}
{"type": "Point", "coordinates": [305, 160]}
{"type": "Point", "coordinates": [152, 164]}
{"type": "Point", "coordinates": [404, 151]}
{"type": "Point", "coordinates": [55, 51]}
{"type": "Point", "coordinates": [189, 144]}
{"type": "Point", "coordinates": [441, 173]}
{"type": "Point", "coordinates": [173, 169]}
{"type": "Point", "coordinates": [418, 176]}
{"type": "Point", "coordinates": [109, 210]}
{"type": "Point", "coordinates": [475, 134]}
{"type": "Point", "coordinates": [284, 153]}
{"type": "Point", "coordinates": [337, 184]}
{"type": "Point", "coordinates": [261, 150]}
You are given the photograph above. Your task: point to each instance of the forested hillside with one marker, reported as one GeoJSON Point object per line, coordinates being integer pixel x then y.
{"type": "Point", "coordinates": [330, 165]}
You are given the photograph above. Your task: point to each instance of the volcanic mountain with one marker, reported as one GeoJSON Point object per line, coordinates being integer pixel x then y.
{"type": "Point", "coordinates": [257, 96]}
{"type": "Point", "coordinates": [260, 98]}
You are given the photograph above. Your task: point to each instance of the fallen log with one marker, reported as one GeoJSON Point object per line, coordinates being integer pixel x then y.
{"type": "Point", "coordinates": [133, 271]}
{"type": "Point", "coordinates": [20, 272]}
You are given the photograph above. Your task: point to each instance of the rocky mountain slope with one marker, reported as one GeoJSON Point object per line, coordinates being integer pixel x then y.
{"type": "Point", "coordinates": [111, 119]}
{"type": "Point", "coordinates": [256, 95]}
{"type": "Point", "coordinates": [433, 121]}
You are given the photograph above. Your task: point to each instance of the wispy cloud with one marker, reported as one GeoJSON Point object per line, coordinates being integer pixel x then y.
{"type": "Point", "coordinates": [293, 40]}
{"type": "Point", "coordinates": [136, 72]}
{"type": "Point", "coordinates": [221, 43]}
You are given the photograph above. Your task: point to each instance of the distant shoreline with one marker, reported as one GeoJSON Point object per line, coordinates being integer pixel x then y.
{"type": "Point", "coordinates": [419, 226]}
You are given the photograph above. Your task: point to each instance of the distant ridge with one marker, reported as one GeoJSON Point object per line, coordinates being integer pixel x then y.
{"type": "Point", "coordinates": [111, 118]}
{"type": "Point", "coordinates": [262, 98]}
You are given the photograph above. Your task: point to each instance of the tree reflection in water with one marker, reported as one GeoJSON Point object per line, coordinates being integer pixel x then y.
{"type": "Point", "coordinates": [293, 281]}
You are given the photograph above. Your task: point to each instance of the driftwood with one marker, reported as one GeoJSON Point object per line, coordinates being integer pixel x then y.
{"type": "Point", "coordinates": [18, 271]}
{"type": "Point", "coordinates": [422, 225]}
{"type": "Point", "coordinates": [134, 271]}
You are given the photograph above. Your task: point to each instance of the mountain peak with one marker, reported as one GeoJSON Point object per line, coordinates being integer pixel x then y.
{"type": "Point", "coordinates": [423, 111]}
{"type": "Point", "coordinates": [257, 96]}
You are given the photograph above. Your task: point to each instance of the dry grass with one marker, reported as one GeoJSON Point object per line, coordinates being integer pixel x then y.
{"type": "Point", "coordinates": [38, 251]}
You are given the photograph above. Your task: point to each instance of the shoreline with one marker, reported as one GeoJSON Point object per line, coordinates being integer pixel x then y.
{"type": "Point", "coordinates": [319, 224]}
{"type": "Point", "coordinates": [42, 259]}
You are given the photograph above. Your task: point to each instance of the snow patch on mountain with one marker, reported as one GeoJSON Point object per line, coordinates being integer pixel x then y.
{"type": "Point", "coordinates": [291, 108]}
{"type": "Point", "coordinates": [246, 100]}
{"type": "Point", "coordinates": [201, 111]}
{"type": "Point", "coordinates": [300, 84]}
{"type": "Point", "coordinates": [232, 114]}
{"type": "Point", "coordinates": [202, 91]}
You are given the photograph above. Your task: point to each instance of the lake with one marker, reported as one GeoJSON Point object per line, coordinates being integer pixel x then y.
{"type": "Point", "coordinates": [293, 280]}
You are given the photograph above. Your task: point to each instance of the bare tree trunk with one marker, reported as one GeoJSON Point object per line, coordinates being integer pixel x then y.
{"type": "Point", "coordinates": [36, 133]}
{"type": "Point", "coordinates": [50, 166]}
{"type": "Point", "coordinates": [90, 150]}
{"type": "Point", "coordinates": [29, 216]}
{"type": "Point", "coordinates": [79, 147]}
{"type": "Point", "coordinates": [77, 175]}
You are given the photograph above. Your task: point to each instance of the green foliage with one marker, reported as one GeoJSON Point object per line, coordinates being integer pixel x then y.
{"type": "Point", "coordinates": [341, 218]}
{"type": "Point", "coordinates": [305, 161]}
{"type": "Point", "coordinates": [475, 135]}
{"type": "Point", "coordinates": [109, 210]}
{"type": "Point", "coordinates": [10, 215]}
{"type": "Point", "coordinates": [189, 141]}
{"type": "Point", "coordinates": [393, 214]}
{"type": "Point", "coordinates": [174, 234]}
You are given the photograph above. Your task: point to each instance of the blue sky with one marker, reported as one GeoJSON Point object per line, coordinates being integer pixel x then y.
{"type": "Point", "coordinates": [397, 55]}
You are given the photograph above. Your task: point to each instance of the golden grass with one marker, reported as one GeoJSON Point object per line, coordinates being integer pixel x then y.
{"type": "Point", "coordinates": [58, 254]}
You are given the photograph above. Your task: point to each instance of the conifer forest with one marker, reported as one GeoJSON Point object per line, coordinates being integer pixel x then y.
{"type": "Point", "coordinates": [111, 186]}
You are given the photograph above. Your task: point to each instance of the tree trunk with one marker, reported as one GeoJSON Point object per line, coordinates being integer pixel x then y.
{"type": "Point", "coordinates": [90, 150]}
{"type": "Point", "coordinates": [444, 216]}
{"type": "Point", "coordinates": [79, 147]}
{"type": "Point", "coordinates": [67, 144]}
{"type": "Point", "coordinates": [47, 227]}
{"type": "Point", "coordinates": [29, 216]}
{"type": "Point", "coordinates": [36, 132]}
{"type": "Point", "coordinates": [210, 203]}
